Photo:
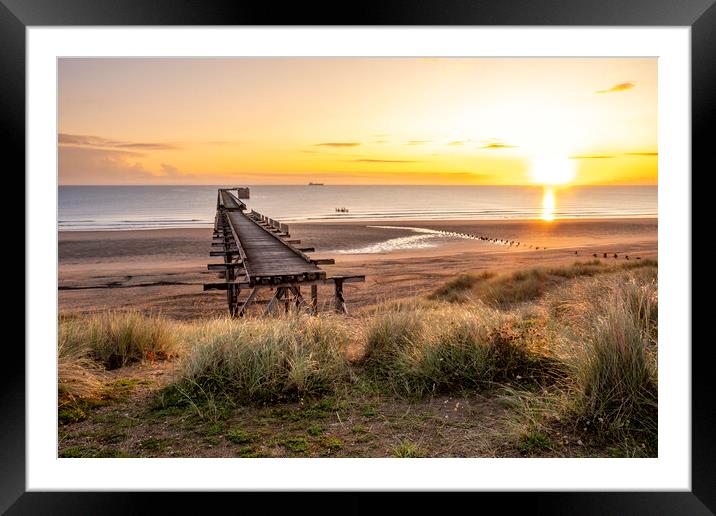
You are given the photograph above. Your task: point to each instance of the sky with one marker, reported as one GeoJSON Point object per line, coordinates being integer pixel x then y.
{"type": "Point", "coordinates": [500, 121]}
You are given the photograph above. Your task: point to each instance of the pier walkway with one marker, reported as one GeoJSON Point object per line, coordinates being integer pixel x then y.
{"type": "Point", "coordinates": [258, 252]}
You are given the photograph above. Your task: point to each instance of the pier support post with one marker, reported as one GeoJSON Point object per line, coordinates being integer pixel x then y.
{"type": "Point", "coordinates": [314, 299]}
{"type": "Point", "coordinates": [340, 301]}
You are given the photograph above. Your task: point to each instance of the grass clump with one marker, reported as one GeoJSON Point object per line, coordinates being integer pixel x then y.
{"type": "Point", "coordinates": [79, 377]}
{"type": "Point", "coordinates": [240, 436]}
{"type": "Point", "coordinates": [616, 371]}
{"type": "Point", "coordinates": [407, 450]}
{"type": "Point", "coordinates": [116, 339]}
{"type": "Point", "coordinates": [533, 442]}
{"type": "Point", "coordinates": [454, 348]}
{"type": "Point", "coordinates": [264, 360]}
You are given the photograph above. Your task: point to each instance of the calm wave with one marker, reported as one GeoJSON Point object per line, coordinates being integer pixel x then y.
{"type": "Point", "coordinates": [83, 208]}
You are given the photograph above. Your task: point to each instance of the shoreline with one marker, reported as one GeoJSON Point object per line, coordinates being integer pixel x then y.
{"type": "Point", "coordinates": [163, 270]}
{"type": "Point", "coordinates": [209, 225]}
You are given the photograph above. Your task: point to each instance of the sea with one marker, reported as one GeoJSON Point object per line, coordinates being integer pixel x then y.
{"type": "Point", "coordinates": [116, 208]}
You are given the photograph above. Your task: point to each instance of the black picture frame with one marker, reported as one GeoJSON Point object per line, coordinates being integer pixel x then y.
{"type": "Point", "coordinates": [699, 15]}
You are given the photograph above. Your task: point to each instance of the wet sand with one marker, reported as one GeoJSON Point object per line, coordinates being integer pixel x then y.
{"type": "Point", "coordinates": [163, 270]}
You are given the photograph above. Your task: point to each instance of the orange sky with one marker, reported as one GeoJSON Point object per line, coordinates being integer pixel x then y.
{"type": "Point", "coordinates": [357, 121]}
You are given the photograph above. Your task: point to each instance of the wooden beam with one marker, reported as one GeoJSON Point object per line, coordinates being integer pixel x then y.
{"type": "Point", "coordinates": [340, 300]}
{"type": "Point", "coordinates": [324, 261]}
{"type": "Point", "coordinates": [222, 266]}
{"type": "Point", "coordinates": [321, 281]}
{"type": "Point", "coordinates": [307, 249]}
{"type": "Point", "coordinates": [216, 286]}
{"type": "Point", "coordinates": [314, 298]}
{"type": "Point", "coordinates": [248, 302]}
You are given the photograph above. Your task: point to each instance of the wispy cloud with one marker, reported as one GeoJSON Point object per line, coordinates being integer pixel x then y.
{"type": "Point", "coordinates": [457, 142]}
{"type": "Point", "coordinates": [81, 140]}
{"type": "Point", "coordinates": [622, 86]}
{"type": "Point", "coordinates": [337, 144]}
{"type": "Point", "coordinates": [367, 160]}
{"type": "Point", "coordinates": [147, 146]}
{"type": "Point", "coordinates": [417, 142]}
{"type": "Point", "coordinates": [606, 156]}
{"type": "Point", "coordinates": [496, 144]}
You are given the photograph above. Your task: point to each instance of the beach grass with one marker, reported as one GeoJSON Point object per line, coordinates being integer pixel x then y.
{"type": "Point", "coordinates": [115, 339]}
{"type": "Point", "coordinates": [569, 352]}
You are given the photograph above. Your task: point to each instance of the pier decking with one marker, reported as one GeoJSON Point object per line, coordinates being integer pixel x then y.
{"type": "Point", "coordinates": [258, 252]}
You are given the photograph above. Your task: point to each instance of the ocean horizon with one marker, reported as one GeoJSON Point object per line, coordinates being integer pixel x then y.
{"type": "Point", "coordinates": [100, 208]}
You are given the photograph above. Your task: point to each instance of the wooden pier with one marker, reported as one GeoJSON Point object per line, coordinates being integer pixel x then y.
{"type": "Point", "coordinates": [258, 253]}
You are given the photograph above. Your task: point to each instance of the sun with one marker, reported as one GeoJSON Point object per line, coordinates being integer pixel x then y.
{"type": "Point", "coordinates": [552, 171]}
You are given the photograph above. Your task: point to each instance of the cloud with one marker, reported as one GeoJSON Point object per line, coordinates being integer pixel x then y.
{"type": "Point", "coordinates": [497, 145]}
{"type": "Point", "coordinates": [622, 86]}
{"type": "Point", "coordinates": [606, 156]}
{"type": "Point", "coordinates": [457, 142]}
{"type": "Point", "coordinates": [366, 160]}
{"type": "Point", "coordinates": [77, 139]}
{"type": "Point", "coordinates": [417, 142]}
{"type": "Point", "coordinates": [147, 146]}
{"type": "Point", "coordinates": [337, 144]}
{"type": "Point", "coordinates": [100, 142]}
{"type": "Point", "coordinates": [170, 171]}
{"type": "Point", "coordinates": [86, 165]}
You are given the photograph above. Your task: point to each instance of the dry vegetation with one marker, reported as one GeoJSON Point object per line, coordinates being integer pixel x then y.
{"type": "Point", "coordinates": [544, 362]}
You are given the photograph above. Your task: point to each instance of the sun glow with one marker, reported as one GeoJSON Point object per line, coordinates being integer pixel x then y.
{"type": "Point", "coordinates": [548, 205]}
{"type": "Point", "coordinates": [552, 171]}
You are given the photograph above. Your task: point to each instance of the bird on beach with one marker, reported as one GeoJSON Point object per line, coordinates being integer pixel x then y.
{"type": "Point", "coordinates": [605, 255]}
{"type": "Point", "coordinates": [536, 247]}
{"type": "Point", "coordinates": [594, 254]}
{"type": "Point", "coordinates": [576, 253]}
{"type": "Point", "coordinates": [627, 257]}
{"type": "Point", "coordinates": [638, 257]}
{"type": "Point", "coordinates": [615, 255]}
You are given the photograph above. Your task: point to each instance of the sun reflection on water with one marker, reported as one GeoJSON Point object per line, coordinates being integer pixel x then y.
{"type": "Point", "coordinates": [548, 205]}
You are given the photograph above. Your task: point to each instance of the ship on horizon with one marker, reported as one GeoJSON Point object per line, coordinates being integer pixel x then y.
{"type": "Point", "coordinates": [315, 184]}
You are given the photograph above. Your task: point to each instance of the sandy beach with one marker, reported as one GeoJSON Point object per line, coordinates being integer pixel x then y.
{"type": "Point", "coordinates": [163, 270]}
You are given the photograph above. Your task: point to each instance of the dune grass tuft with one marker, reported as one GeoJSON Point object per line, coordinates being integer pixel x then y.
{"type": "Point", "coordinates": [257, 360]}
{"type": "Point", "coordinates": [457, 347]}
{"type": "Point", "coordinates": [616, 372]}
{"type": "Point", "coordinates": [116, 339]}
{"type": "Point", "coordinates": [78, 375]}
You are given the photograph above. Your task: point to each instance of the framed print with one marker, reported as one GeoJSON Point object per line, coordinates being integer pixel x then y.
{"type": "Point", "coordinates": [415, 250]}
